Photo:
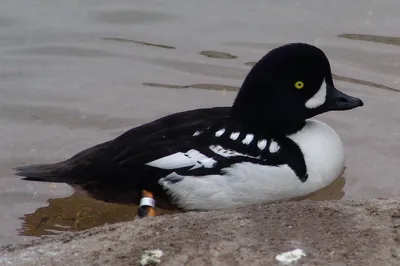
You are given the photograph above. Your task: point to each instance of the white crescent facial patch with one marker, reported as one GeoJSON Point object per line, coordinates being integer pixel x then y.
{"type": "Point", "coordinates": [319, 97]}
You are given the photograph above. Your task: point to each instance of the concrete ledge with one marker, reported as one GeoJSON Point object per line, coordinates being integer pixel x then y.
{"type": "Point", "coordinates": [329, 233]}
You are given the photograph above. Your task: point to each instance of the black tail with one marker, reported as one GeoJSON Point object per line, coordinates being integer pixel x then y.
{"type": "Point", "coordinates": [80, 168]}
{"type": "Point", "coordinates": [42, 172]}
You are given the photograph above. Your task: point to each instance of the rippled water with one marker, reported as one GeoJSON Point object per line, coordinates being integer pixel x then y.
{"type": "Point", "coordinates": [76, 73]}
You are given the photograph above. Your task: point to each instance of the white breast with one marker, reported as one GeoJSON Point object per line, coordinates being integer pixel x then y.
{"type": "Point", "coordinates": [248, 183]}
{"type": "Point", "coordinates": [323, 151]}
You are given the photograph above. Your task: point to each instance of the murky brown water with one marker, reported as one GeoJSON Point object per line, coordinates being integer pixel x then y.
{"type": "Point", "coordinates": [76, 73]}
{"type": "Point", "coordinates": [77, 212]}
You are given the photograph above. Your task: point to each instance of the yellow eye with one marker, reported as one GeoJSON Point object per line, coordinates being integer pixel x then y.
{"type": "Point", "coordinates": [299, 85]}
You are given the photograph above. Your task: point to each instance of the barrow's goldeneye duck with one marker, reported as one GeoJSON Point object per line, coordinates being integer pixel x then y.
{"type": "Point", "coordinates": [262, 149]}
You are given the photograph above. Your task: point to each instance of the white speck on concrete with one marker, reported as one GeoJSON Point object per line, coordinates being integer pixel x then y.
{"type": "Point", "coordinates": [151, 257]}
{"type": "Point", "coordinates": [290, 256]}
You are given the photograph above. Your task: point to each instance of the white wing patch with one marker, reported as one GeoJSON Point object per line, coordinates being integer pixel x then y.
{"type": "Point", "coordinates": [274, 147]}
{"type": "Point", "coordinates": [217, 149]}
{"type": "Point", "coordinates": [261, 144]}
{"type": "Point", "coordinates": [194, 159]}
{"type": "Point", "coordinates": [198, 132]}
{"type": "Point", "coordinates": [220, 132]}
{"type": "Point", "coordinates": [248, 139]}
{"type": "Point", "coordinates": [179, 160]}
{"type": "Point", "coordinates": [234, 135]}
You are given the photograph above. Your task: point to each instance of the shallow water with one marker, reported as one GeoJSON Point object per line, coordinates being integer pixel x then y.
{"type": "Point", "coordinates": [76, 73]}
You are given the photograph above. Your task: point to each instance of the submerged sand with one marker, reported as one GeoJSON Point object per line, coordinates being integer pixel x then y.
{"type": "Point", "coordinates": [328, 233]}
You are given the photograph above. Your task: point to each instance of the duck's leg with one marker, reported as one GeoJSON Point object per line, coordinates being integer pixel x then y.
{"type": "Point", "coordinates": [147, 205]}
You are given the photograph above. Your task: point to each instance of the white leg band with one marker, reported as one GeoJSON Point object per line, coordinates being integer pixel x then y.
{"type": "Point", "coordinates": [146, 201]}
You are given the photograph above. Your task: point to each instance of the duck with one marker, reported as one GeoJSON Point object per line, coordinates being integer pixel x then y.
{"type": "Point", "coordinates": [266, 147]}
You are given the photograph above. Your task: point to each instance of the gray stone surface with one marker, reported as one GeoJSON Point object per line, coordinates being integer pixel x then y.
{"type": "Point", "coordinates": [329, 233]}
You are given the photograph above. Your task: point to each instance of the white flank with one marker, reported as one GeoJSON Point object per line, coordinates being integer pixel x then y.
{"type": "Point", "coordinates": [239, 184]}
{"type": "Point", "coordinates": [248, 139]}
{"type": "Point", "coordinates": [319, 97]}
{"type": "Point", "coordinates": [290, 256]}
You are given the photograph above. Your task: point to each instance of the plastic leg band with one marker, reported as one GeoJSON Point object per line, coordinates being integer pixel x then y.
{"type": "Point", "coordinates": [147, 205]}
